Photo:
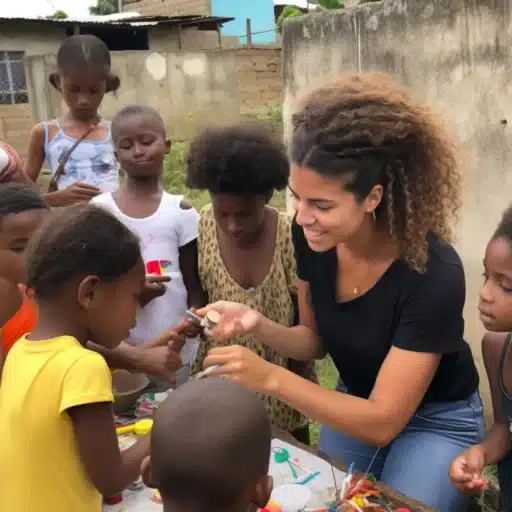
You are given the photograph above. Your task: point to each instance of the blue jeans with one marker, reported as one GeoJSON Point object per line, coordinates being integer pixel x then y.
{"type": "Point", "coordinates": [417, 462]}
{"type": "Point", "coordinates": [505, 476]}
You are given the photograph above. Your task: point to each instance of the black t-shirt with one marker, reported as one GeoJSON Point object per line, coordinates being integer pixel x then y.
{"type": "Point", "coordinates": [405, 309]}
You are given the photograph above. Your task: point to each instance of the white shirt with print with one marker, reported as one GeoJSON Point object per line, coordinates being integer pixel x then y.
{"type": "Point", "coordinates": [161, 236]}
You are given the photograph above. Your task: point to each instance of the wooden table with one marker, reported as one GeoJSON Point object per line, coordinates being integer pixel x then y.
{"type": "Point", "coordinates": [394, 498]}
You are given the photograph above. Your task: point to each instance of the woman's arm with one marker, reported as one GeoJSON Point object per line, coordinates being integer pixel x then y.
{"type": "Point", "coordinates": [497, 442]}
{"type": "Point", "coordinates": [300, 342]}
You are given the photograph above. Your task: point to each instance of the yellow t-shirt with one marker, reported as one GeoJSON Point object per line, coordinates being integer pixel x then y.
{"type": "Point", "coordinates": [40, 467]}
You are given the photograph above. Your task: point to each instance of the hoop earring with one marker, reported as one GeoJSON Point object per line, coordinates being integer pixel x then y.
{"type": "Point", "coordinates": [374, 216]}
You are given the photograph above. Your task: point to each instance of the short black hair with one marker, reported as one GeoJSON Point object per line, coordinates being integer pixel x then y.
{"type": "Point", "coordinates": [210, 440]}
{"type": "Point", "coordinates": [85, 50]}
{"type": "Point", "coordinates": [18, 198]}
{"type": "Point", "coordinates": [137, 110]}
{"type": "Point", "coordinates": [504, 229]}
{"type": "Point", "coordinates": [80, 240]}
{"type": "Point", "coordinates": [241, 159]}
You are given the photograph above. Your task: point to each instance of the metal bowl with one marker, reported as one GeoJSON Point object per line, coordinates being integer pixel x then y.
{"type": "Point", "coordinates": [127, 388]}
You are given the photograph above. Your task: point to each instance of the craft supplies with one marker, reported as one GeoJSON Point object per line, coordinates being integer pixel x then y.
{"type": "Point", "coordinates": [308, 478]}
{"type": "Point", "coordinates": [291, 497]}
{"type": "Point", "coordinates": [139, 428]}
{"type": "Point", "coordinates": [113, 500]}
{"type": "Point", "coordinates": [282, 456]}
{"type": "Point", "coordinates": [210, 320]}
{"type": "Point", "coordinates": [205, 373]}
{"type": "Point", "coordinates": [157, 498]}
{"type": "Point", "coordinates": [272, 506]}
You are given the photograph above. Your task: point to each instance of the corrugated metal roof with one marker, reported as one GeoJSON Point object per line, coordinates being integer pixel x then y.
{"type": "Point", "coordinates": [135, 21]}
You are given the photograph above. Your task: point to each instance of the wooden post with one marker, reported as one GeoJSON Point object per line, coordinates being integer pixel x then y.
{"type": "Point", "coordinates": [219, 36]}
{"type": "Point", "coordinates": [76, 29]}
{"type": "Point", "coordinates": [180, 41]}
{"type": "Point", "coordinates": [248, 31]}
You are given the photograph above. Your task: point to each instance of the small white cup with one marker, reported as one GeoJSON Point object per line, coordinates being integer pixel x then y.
{"type": "Point", "coordinates": [291, 497]}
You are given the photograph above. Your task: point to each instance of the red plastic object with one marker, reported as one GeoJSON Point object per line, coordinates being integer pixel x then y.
{"type": "Point", "coordinates": [113, 500]}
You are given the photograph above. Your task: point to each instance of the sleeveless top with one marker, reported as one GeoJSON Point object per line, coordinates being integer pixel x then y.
{"type": "Point", "coordinates": [506, 397]}
{"type": "Point", "coordinates": [272, 298]}
{"type": "Point", "coordinates": [92, 161]}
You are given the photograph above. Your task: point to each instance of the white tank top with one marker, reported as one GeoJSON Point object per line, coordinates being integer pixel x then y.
{"type": "Point", "coordinates": [161, 236]}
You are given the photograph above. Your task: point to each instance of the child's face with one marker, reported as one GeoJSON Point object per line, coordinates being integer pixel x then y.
{"type": "Point", "coordinates": [16, 230]}
{"type": "Point", "coordinates": [112, 306]}
{"type": "Point", "coordinates": [241, 218]}
{"type": "Point", "coordinates": [83, 91]}
{"type": "Point", "coordinates": [495, 304]}
{"type": "Point", "coordinates": [141, 146]}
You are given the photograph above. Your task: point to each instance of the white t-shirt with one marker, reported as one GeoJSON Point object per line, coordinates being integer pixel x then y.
{"type": "Point", "coordinates": [161, 236]}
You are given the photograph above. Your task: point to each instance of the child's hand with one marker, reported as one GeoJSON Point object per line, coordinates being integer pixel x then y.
{"type": "Point", "coordinates": [76, 193]}
{"type": "Point", "coordinates": [466, 470]}
{"type": "Point", "coordinates": [154, 288]}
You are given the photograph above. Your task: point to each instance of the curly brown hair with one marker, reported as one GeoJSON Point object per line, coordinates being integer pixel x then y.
{"type": "Point", "coordinates": [368, 130]}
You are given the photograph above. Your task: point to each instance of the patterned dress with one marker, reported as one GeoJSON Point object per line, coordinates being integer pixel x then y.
{"type": "Point", "coordinates": [272, 298]}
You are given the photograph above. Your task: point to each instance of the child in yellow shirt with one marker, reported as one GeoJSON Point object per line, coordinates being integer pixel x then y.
{"type": "Point", "coordinates": [60, 450]}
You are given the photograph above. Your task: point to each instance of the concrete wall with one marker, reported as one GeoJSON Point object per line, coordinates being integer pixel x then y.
{"type": "Point", "coordinates": [261, 14]}
{"type": "Point", "coordinates": [168, 7]}
{"type": "Point", "coordinates": [455, 54]}
{"type": "Point", "coordinates": [15, 120]}
{"type": "Point", "coordinates": [189, 89]}
{"type": "Point", "coordinates": [259, 79]}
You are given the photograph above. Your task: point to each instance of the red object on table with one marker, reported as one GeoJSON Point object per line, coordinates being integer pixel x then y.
{"type": "Point", "coordinates": [113, 500]}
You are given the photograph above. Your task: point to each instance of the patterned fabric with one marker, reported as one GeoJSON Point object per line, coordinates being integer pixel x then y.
{"type": "Point", "coordinates": [272, 298]}
{"type": "Point", "coordinates": [92, 161]}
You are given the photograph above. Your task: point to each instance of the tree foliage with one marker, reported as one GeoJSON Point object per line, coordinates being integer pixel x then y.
{"type": "Point", "coordinates": [58, 15]}
{"type": "Point", "coordinates": [104, 7]}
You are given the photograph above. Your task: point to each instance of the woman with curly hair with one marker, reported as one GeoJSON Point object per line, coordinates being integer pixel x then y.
{"type": "Point", "coordinates": [245, 246]}
{"type": "Point", "coordinates": [375, 184]}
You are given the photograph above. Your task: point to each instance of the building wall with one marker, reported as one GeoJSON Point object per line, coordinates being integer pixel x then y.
{"type": "Point", "coordinates": [162, 39]}
{"type": "Point", "coordinates": [261, 14]}
{"type": "Point", "coordinates": [15, 120]}
{"type": "Point", "coordinates": [455, 55]}
{"type": "Point", "coordinates": [259, 79]}
{"type": "Point", "coordinates": [168, 7]}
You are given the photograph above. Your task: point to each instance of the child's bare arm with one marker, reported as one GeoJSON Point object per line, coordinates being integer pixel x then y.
{"type": "Point", "coordinates": [35, 155]}
{"type": "Point", "coordinates": [497, 443]}
{"type": "Point", "coordinates": [197, 297]}
{"type": "Point", "coordinates": [108, 469]}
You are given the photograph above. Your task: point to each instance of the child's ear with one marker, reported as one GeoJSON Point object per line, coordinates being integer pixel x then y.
{"type": "Point", "coordinates": [168, 146]}
{"type": "Point", "coordinates": [88, 291]}
{"type": "Point", "coordinates": [147, 474]}
{"type": "Point", "coordinates": [263, 491]}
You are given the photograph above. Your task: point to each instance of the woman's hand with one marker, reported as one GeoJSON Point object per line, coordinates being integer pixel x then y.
{"type": "Point", "coordinates": [244, 366]}
{"type": "Point", "coordinates": [234, 319]}
{"type": "Point", "coordinates": [466, 470]}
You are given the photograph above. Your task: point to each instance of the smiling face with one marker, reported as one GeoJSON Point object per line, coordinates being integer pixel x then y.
{"type": "Point", "coordinates": [329, 214]}
{"type": "Point", "coordinates": [16, 230]}
{"type": "Point", "coordinates": [141, 145]}
{"type": "Point", "coordinates": [495, 304]}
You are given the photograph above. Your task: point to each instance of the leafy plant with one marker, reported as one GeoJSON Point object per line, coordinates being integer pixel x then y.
{"type": "Point", "coordinates": [58, 15]}
{"type": "Point", "coordinates": [290, 11]}
{"type": "Point", "coordinates": [104, 7]}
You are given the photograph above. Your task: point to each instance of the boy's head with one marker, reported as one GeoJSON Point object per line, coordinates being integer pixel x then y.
{"type": "Point", "coordinates": [84, 74]}
{"type": "Point", "coordinates": [496, 293]}
{"type": "Point", "coordinates": [210, 448]}
{"type": "Point", "coordinates": [138, 133]}
{"type": "Point", "coordinates": [22, 210]}
{"type": "Point", "coordinates": [240, 166]}
{"type": "Point", "coordinates": [86, 265]}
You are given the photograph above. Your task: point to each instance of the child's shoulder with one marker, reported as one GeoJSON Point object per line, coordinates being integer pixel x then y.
{"type": "Point", "coordinates": [104, 199]}
{"type": "Point", "coordinates": [493, 344]}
